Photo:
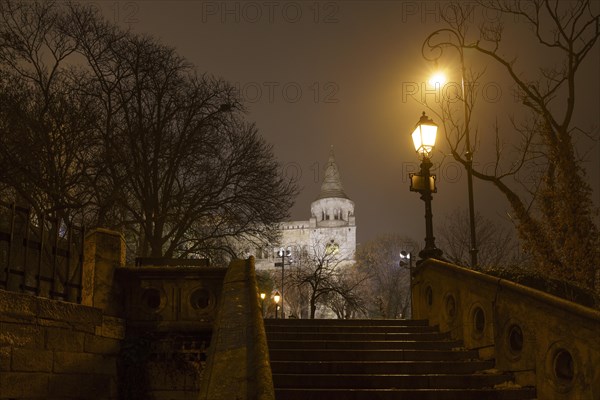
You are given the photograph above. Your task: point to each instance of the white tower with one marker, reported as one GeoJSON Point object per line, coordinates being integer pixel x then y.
{"type": "Point", "coordinates": [332, 213]}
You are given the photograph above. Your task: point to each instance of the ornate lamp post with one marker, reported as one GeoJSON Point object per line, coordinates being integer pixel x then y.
{"type": "Point", "coordinates": [437, 49]}
{"type": "Point", "coordinates": [423, 181]}
{"type": "Point", "coordinates": [276, 298]}
{"type": "Point", "coordinates": [407, 258]}
{"type": "Point", "coordinates": [283, 254]}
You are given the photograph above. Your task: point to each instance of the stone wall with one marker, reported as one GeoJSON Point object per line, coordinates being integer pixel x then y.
{"type": "Point", "coordinates": [51, 349]}
{"type": "Point", "coordinates": [545, 341]}
{"type": "Point", "coordinates": [57, 350]}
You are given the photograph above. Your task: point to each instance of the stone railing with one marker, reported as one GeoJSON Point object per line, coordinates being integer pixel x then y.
{"type": "Point", "coordinates": [543, 340]}
{"type": "Point", "coordinates": [238, 361]}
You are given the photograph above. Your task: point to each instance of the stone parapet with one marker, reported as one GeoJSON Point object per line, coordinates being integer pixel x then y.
{"type": "Point", "coordinates": [171, 298]}
{"type": "Point", "coordinates": [545, 341]}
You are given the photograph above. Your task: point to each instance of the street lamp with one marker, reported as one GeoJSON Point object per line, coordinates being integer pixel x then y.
{"type": "Point", "coordinates": [423, 181]}
{"type": "Point", "coordinates": [262, 304]}
{"type": "Point", "coordinates": [283, 254]}
{"type": "Point", "coordinates": [276, 298]}
{"type": "Point", "coordinates": [439, 49]}
{"type": "Point", "coordinates": [408, 259]}
{"type": "Point", "coordinates": [408, 256]}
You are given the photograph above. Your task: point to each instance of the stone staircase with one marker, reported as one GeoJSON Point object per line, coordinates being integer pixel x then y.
{"type": "Point", "coordinates": [379, 360]}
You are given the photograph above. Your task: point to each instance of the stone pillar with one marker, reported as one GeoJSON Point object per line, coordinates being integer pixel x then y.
{"type": "Point", "coordinates": [104, 252]}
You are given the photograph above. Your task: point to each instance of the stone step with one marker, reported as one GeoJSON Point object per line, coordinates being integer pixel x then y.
{"type": "Point", "coordinates": [379, 359]}
{"type": "Point", "coordinates": [365, 344]}
{"type": "Point", "coordinates": [405, 394]}
{"type": "Point", "coordinates": [391, 381]}
{"type": "Point", "coordinates": [380, 367]}
{"type": "Point", "coordinates": [350, 329]}
{"type": "Point", "coordinates": [369, 355]}
{"type": "Point", "coordinates": [356, 336]}
{"type": "Point", "coordinates": [346, 322]}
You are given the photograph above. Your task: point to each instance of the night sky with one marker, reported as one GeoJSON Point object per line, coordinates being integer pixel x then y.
{"type": "Point", "coordinates": [316, 74]}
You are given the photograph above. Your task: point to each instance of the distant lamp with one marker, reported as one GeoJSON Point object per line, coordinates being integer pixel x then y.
{"type": "Point", "coordinates": [262, 304]}
{"type": "Point", "coordinates": [424, 136]}
{"type": "Point", "coordinates": [276, 298]}
{"type": "Point", "coordinates": [406, 258]}
{"type": "Point", "coordinates": [283, 253]}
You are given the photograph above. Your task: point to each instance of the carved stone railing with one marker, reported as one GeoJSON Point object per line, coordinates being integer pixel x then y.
{"type": "Point", "coordinates": [238, 362]}
{"type": "Point", "coordinates": [543, 340]}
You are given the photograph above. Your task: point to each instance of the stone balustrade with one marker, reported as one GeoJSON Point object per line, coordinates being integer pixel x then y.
{"type": "Point", "coordinates": [543, 340]}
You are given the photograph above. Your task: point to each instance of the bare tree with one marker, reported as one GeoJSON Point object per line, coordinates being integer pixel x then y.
{"type": "Point", "coordinates": [553, 209]}
{"type": "Point", "coordinates": [322, 273]}
{"type": "Point", "coordinates": [133, 136]}
{"type": "Point", "coordinates": [45, 149]}
{"type": "Point", "coordinates": [349, 301]}
{"type": "Point", "coordinates": [388, 290]}
{"type": "Point", "coordinates": [192, 175]}
{"type": "Point", "coordinates": [498, 246]}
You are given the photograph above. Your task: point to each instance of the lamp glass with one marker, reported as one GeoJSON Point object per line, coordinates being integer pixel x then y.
{"type": "Point", "coordinates": [262, 296]}
{"type": "Point", "coordinates": [424, 137]}
{"type": "Point", "coordinates": [276, 298]}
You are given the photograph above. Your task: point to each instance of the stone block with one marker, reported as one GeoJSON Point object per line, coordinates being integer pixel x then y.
{"type": "Point", "coordinates": [54, 324]}
{"type": "Point", "coordinates": [101, 345]}
{"type": "Point", "coordinates": [17, 307]}
{"type": "Point", "coordinates": [104, 252]}
{"type": "Point", "coordinates": [80, 317]}
{"type": "Point", "coordinates": [64, 340]}
{"type": "Point", "coordinates": [5, 355]}
{"type": "Point", "coordinates": [113, 327]}
{"type": "Point", "coordinates": [68, 362]}
{"type": "Point", "coordinates": [24, 359]}
{"type": "Point", "coordinates": [21, 335]}
{"type": "Point", "coordinates": [81, 386]}
{"type": "Point", "coordinates": [18, 385]}
{"type": "Point", "coordinates": [174, 395]}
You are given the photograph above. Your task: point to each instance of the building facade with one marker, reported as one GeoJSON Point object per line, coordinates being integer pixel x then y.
{"type": "Point", "coordinates": [332, 223]}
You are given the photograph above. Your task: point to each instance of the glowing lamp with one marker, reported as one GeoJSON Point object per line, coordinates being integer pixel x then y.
{"type": "Point", "coordinates": [424, 136]}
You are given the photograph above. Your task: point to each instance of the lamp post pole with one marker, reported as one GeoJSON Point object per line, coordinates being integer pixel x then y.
{"type": "Point", "coordinates": [409, 256]}
{"type": "Point", "coordinates": [283, 254]}
{"type": "Point", "coordinates": [276, 298]}
{"type": "Point", "coordinates": [469, 159]}
{"type": "Point", "coordinates": [423, 182]}
{"type": "Point", "coordinates": [430, 250]}
{"type": "Point", "coordinates": [439, 48]}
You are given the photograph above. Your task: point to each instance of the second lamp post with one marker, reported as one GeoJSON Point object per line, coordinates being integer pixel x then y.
{"type": "Point", "coordinates": [283, 253]}
{"type": "Point", "coordinates": [423, 181]}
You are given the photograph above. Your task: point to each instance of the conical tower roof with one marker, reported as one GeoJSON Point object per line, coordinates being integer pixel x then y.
{"type": "Point", "coordinates": [332, 183]}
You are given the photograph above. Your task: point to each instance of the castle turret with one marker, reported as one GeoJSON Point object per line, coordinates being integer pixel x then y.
{"type": "Point", "coordinates": [332, 207]}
